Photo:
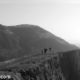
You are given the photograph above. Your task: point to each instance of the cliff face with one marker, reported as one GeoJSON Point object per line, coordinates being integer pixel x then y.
{"type": "Point", "coordinates": [70, 64]}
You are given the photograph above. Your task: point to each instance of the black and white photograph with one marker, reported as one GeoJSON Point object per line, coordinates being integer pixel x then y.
{"type": "Point", "coordinates": [39, 39]}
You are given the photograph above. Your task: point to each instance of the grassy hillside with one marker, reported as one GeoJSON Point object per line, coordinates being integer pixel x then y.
{"type": "Point", "coordinates": [20, 40]}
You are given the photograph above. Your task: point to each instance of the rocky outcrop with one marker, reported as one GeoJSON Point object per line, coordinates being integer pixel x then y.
{"type": "Point", "coordinates": [55, 66]}
{"type": "Point", "coordinates": [48, 69]}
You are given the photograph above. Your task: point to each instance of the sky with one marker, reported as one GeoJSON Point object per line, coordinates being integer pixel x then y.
{"type": "Point", "coordinates": [61, 17]}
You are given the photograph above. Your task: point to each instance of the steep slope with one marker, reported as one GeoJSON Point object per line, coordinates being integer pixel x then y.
{"type": "Point", "coordinates": [32, 36]}
{"type": "Point", "coordinates": [70, 64]}
{"type": "Point", "coordinates": [20, 40]}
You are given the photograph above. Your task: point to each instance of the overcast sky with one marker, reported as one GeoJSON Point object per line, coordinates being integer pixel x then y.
{"type": "Point", "coordinates": [61, 17]}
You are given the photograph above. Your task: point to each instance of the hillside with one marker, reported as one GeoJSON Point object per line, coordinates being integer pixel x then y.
{"type": "Point", "coordinates": [20, 40]}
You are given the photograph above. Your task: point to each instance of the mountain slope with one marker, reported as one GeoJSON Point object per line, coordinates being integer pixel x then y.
{"type": "Point", "coordinates": [20, 40]}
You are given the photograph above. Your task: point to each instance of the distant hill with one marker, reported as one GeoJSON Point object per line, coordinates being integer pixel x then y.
{"type": "Point", "coordinates": [25, 39]}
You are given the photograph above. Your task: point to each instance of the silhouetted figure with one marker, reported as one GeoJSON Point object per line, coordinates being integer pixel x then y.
{"type": "Point", "coordinates": [49, 49]}
{"type": "Point", "coordinates": [45, 50]}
